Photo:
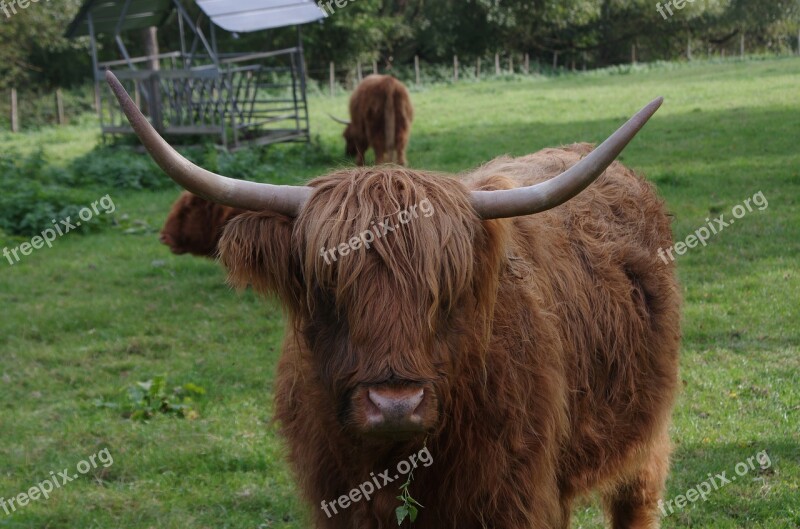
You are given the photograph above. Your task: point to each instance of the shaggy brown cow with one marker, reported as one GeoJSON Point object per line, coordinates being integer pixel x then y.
{"type": "Point", "coordinates": [380, 117]}
{"type": "Point", "coordinates": [531, 349]}
{"type": "Point", "coordinates": [194, 225]}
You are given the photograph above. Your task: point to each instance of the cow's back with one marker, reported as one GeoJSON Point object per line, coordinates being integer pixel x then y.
{"type": "Point", "coordinates": [376, 100]}
{"type": "Point", "coordinates": [593, 264]}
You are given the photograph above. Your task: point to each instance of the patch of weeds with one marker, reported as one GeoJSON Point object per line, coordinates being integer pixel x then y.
{"type": "Point", "coordinates": [147, 399]}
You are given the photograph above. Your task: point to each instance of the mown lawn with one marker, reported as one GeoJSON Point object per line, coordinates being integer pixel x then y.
{"type": "Point", "coordinates": [87, 319]}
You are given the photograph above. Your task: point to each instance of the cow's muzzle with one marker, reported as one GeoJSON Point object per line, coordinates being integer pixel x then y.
{"type": "Point", "coordinates": [170, 241]}
{"type": "Point", "coordinates": [398, 411]}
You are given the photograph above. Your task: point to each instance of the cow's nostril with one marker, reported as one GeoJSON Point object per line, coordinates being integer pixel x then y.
{"type": "Point", "coordinates": [394, 408]}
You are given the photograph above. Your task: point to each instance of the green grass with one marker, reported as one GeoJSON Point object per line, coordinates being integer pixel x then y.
{"type": "Point", "coordinates": [95, 314]}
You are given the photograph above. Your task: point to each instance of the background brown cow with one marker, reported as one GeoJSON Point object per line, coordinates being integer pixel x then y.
{"type": "Point", "coordinates": [380, 117]}
{"type": "Point", "coordinates": [194, 225]}
{"type": "Point", "coordinates": [526, 333]}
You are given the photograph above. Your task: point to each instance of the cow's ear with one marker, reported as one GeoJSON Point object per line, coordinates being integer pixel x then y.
{"type": "Point", "coordinates": [256, 248]}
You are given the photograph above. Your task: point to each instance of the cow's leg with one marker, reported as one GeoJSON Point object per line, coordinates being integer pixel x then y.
{"type": "Point", "coordinates": [401, 155]}
{"type": "Point", "coordinates": [634, 503]}
{"type": "Point", "coordinates": [380, 156]}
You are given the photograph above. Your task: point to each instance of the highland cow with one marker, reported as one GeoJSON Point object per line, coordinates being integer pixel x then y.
{"type": "Point", "coordinates": [194, 225]}
{"type": "Point", "coordinates": [526, 334]}
{"type": "Point", "coordinates": [380, 117]}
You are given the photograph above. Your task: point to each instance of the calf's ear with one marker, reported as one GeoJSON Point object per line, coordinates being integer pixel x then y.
{"type": "Point", "coordinates": [257, 250]}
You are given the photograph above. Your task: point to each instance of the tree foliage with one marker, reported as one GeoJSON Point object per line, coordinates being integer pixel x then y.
{"type": "Point", "coordinates": [33, 51]}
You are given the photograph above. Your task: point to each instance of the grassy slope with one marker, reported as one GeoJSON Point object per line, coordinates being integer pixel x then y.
{"type": "Point", "coordinates": [97, 313]}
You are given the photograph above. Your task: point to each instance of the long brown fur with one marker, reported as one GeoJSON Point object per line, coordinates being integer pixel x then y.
{"type": "Point", "coordinates": [380, 117]}
{"type": "Point", "coordinates": [194, 225]}
{"type": "Point", "coordinates": [550, 342]}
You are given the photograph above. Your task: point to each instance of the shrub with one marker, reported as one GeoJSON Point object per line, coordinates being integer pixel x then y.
{"type": "Point", "coordinates": [117, 168]}
{"type": "Point", "coordinates": [34, 195]}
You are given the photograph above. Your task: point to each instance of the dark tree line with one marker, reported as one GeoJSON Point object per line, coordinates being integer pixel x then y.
{"type": "Point", "coordinates": [33, 52]}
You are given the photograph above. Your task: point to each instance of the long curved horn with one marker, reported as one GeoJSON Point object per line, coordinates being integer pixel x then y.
{"type": "Point", "coordinates": [252, 196]}
{"type": "Point", "coordinates": [337, 120]}
{"type": "Point", "coordinates": [551, 193]}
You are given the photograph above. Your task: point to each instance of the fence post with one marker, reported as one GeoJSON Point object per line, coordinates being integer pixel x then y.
{"type": "Point", "coordinates": [455, 68]}
{"type": "Point", "coordinates": [14, 111]}
{"type": "Point", "coordinates": [511, 63]}
{"type": "Point", "coordinates": [62, 120]}
{"type": "Point", "coordinates": [416, 68]}
{"type": "Point", "coordinates": [555, 59]}
{"type": "Point", "coordinates": [497, 64]}
{"type": "Point", "coordinates": [97, 99]}
{"type": "Point", "coordinates": [527, 64]}
{"type": "Point", "coordinates": [332, 76]}
{"type": "Point", "coordinates": [478, 68]}
{"type": "Point", "coordinates": [633, 54]}
{"type": "Point", "coordinates": [689, 48]}
{"type": "Point", "coordinates": [741, 45]}
{"type": "Point", "coordinates": [375, 66]}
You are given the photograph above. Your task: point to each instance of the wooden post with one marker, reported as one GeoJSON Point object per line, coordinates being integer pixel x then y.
{"type": "Point", "coordinates": [511, 63]}
{"type": "Point", "coordinates": [478, 68]}
{"type": "Point", "coordinates": [416, 68]}
{"type": "Point", "coordinates": [14, 112]}
{"type": "Point", "coordinates": [455, 68]}
{"type": "Point", "coordinates": [633, 54]}
{"type": "Point", "coordinates": [375, 66]}
{"type": "Point", "coordinates": [689, 48]}
{"type": "Point", "coordinates": [332, 77]}
{"type": "Point", "coordinates": [527, 64]}
{"type": "Point", "coordinates": [97, 99]}
{"type": "Point", "coordinates": [358, 71]}
{"type": "Point", "coordinates": [497, 64]}
{"type": "Point", "coordinates": [741, 45]}
{"type": "Point", "coordinates": [555, 59]}
{"type": "Point", "coordinates": [62, 120]}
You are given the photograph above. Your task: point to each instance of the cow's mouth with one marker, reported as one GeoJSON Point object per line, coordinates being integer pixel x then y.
{"type": "Point", "coordinates": [170, 241]}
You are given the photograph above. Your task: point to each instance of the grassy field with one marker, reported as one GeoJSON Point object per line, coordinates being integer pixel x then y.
{"type": "Point", "coordinates": [84, 321]}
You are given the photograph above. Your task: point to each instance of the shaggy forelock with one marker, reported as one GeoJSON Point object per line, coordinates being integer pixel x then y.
{"type": "Point", "coordinates": [423, 265]}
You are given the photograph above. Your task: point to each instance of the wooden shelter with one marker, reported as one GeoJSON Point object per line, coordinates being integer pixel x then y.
{"type": "Point", "coordinates": [241, 98]}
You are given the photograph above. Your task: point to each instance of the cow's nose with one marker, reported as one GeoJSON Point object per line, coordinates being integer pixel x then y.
{"type": "Point", "coordinates": [395, 409]}
{"type": "Point", "coordinates": [165, 239]}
